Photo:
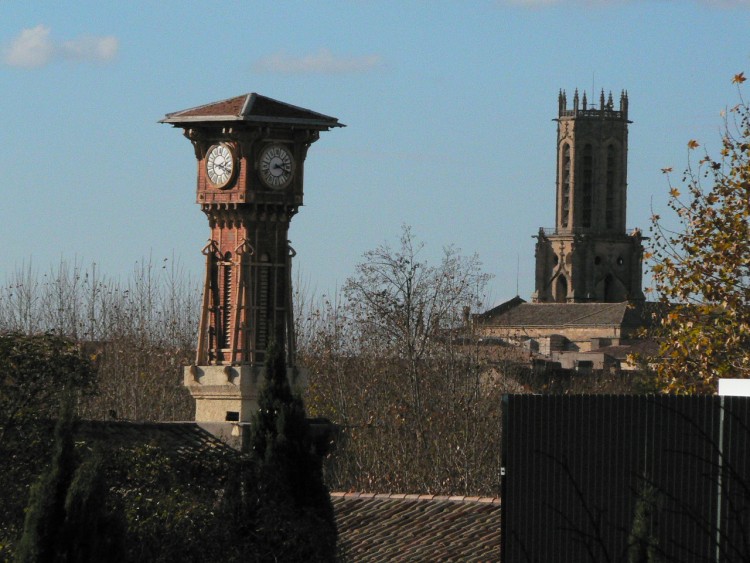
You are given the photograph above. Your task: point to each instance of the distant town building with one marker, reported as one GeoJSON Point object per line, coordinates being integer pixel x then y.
{"type": "Point", "coordinates": [588, 302]}
{"type": "Point", "coordinates": [590, 256]}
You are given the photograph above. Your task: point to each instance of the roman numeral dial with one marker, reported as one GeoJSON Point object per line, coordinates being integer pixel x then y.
{"type": "Point", "coordinates": [276, 166]}
{"type": "Point", "coordinates": [220, 165]}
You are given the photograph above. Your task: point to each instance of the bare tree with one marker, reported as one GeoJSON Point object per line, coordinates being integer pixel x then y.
{"type": "Point", "coordinates": [389, 363]}
{"type": "Point", "coordinates": [139, 332]}
{"type": "Point", "coordinates": [404, 305]}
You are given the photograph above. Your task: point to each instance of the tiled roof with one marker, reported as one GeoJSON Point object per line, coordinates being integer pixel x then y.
{"type": "Point", "coordinates": [561, 314]}
{"type": "Point", "coordinates": [390, 527]}
{"type": "Point", "coordinates": [173, 436]}
{"type": "Point", "coordinates": [252, 108]}
{"type": "Point", "coordinates": [503, 308]}
{"type": "Point", "coordinates": [187, 436]}
{"type": "Point", "coordinates": [648, 348]}
{"type": "Point", "coordinates": [371, 527]}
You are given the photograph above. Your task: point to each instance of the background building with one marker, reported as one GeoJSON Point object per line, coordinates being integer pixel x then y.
{"type": "Point", "coordinates": [588, 303]}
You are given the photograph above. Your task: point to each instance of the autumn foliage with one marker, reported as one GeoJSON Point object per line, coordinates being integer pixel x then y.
{"type": "Point", "coordinates": [702, 268]}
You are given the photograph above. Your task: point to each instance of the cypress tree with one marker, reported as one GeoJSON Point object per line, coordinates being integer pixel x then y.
{"type": "Point", "coordinates": [642, 543]}
{"type": "Point", "coordinates": [45, 513]}
{"type": "Point", "coordinates": [293, 500]}
{"type": "Point", "coordinates": [92, 532]}
{"type": "Point", "coordinates": [66, 516]}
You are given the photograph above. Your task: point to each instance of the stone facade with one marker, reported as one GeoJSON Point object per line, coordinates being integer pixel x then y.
{"type": "Point", "coordinates": [589, 256]}
{"type": "Point", "coordinates": [230, 393]}
{"type": "Point", "coordinates": [563, 327]}
{"type": "Point", "coordinates": [588, 304]}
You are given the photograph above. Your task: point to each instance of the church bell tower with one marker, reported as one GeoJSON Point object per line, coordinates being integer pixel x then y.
{"type": "Point", "coordinates": [250, 153]}
{"type": "Point", "coordinates": [589, 256]}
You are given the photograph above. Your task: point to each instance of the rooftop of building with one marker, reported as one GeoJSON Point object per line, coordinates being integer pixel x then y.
{"type": "Point", "coordinates": [518, 313]}
{"type": "Point", "coordinates": [401, 527]}
{"type": "Point", "coordinates": [372, 527]}
{"type": "Point", "coordinates": [252, 108]}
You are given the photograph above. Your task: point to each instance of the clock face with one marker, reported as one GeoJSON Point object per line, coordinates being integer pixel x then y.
{"type": "Point", "coordinates": [276, 165]}
{"type": "Point", "coordinates": [220, 165]}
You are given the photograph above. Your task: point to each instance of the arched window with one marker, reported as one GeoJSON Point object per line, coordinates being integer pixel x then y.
{"type": "Point", "coordinates": [226, 305]}
{"type": "Point", "coordinates": [610, 197]}
{"type": "Point", "coordinates": [263, 305]}
{"type": "Point", "coordinates": [565, 185]}
{"type": "Point", "coordinates": [609, 289]}
{"type": "Point", "coordinates": [561, 290]}
{"type": "Point", "coordinates": [587, 184]}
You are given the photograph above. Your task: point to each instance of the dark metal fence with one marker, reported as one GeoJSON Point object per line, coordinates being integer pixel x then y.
{"type": "Point", "coordinates": [595, 478]}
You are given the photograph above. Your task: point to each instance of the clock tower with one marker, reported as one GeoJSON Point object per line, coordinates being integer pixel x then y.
{"type": "Point", "coordinates": [250, 153]}
{"type": "Point", "coordinates": [590, 256]}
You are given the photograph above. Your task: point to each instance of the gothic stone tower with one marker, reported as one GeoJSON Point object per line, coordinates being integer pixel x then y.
{"type": "Point", "coordinates": [251, 152]}
{"type": "Point", "coordinates": [589, 256]}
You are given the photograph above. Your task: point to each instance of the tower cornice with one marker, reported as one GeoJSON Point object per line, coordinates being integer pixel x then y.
{"type": "Point", "coordinates": [583, 110]}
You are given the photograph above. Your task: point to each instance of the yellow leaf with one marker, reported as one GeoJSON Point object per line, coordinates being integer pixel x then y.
{"type": "Point", "coordinates": [674, 192]}
{"type": "Point", "coordinates": [739, 78]}
{"type": "Point", "coordinates": [693, 144]}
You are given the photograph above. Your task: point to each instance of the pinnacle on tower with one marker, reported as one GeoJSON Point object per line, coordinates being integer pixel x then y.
{"type": "Point", "coordinates": [562, 102]}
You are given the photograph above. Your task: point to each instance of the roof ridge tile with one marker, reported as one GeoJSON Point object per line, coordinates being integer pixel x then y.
{"type": "Point", "coordinates": [416, 497]}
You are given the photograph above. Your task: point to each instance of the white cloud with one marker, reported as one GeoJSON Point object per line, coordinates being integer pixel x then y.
{"type": "Point", "coordinates": [34, 48]}
{"type": "Point", "coordinates": [321, 62]}
{"type": "Point", "coordinates": [90, 48]}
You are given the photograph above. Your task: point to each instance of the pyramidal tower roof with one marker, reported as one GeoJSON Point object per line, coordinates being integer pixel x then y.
{"type": "Point", "coordinates": [252, 109]}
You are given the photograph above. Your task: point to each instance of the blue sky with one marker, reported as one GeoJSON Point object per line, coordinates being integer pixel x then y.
{"type": "Point", "coordinates": [448, 106]}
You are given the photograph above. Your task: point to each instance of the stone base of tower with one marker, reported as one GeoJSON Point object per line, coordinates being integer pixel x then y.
{"type": "Point", "coordinates": [230, 393]}
{"type": "Point", "coordinates": [588, 267]}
